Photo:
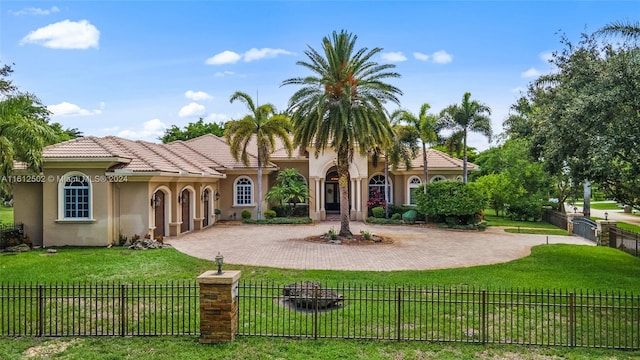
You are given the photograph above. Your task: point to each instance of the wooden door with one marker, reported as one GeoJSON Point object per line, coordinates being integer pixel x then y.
{"type": "Point", "coordinates": [159, 214]}
{"type": "Point", "coordinates": [186, 205]}
{"type": "Point", "coordinates": [207, 210]}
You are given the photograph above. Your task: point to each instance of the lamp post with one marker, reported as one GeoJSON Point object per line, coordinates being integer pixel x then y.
{"type": "Point", "coordinates": [606, 215]}
{"type": "Point", "coordinates": [219, 260]}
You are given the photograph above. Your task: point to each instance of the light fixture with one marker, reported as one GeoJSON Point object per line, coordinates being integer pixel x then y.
{"type": "Point", "coordinates": [205, 195]}
{"type": "Point", "coordinates": [606, 215]}
{"type": "Point", "coordinates": [217, 195]}
{"type": "Point", "coordinates": [180, 198]}
{"type": "Point", "coordinates": [219, 260]}
{"type": "Point", "coordinates": [155, 201]}
{"type": "Point", "coordinates": [575, 209]}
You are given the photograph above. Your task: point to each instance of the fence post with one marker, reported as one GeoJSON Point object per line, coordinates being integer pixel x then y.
{"type": "Point", "coordinates": [399, 314]}
{"type": "Point", "coordinates": [483, 317]}
{"type": "Point", "coordinates": [218, 306]}
{"type": "Point", "coordinates": [572, 319]}
{"type": "Point", "coordinates": [123, 317]}
{"type": "Point", "coordinates": [605, 231]}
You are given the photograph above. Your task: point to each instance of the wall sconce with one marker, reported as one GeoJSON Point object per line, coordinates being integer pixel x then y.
{"type": "Point", "coordinates": [606, 215]}
{"type": "Point", "coordinates": [205, 196]}
{"type": "Point", "coordinates": [219, 259]}
{"type": "Point", "coordinates": [155, 201]}
{"type": "Point", "coordinates": [217, 195]}
{"type": "Point", "coordinates": [575, 209]}
{"type": "Point", "coordinates": [180, 198]}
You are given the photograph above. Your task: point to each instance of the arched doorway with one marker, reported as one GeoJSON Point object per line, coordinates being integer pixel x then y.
{"type": "Point", "coordinates": [332, 192]}
{"type": "Point", "coordinates": [206, 198]}
{"type": "Point", "coordinates": [185, 198]}
{"type": "Point", "coordinates": [159, 214]}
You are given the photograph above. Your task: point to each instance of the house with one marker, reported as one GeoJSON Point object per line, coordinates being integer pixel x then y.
{"type": "Point", "coordinates": [92, 190]}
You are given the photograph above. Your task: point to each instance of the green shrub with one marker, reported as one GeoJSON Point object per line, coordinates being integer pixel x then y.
{"type": "Point", "coordinates": [445, 199]}
{"type": "Point", "coordinates": [331, 234]}
{"type": "Point", "coordinates": [383, 221]}
{"type": "Point", "coordinates": [246, 214]}
{"type": "Point", "coordinates": [396, 216]}
{"type": "Point", "coordinates": [410, 216]}
{"type": "Point", "coordinates": [365, 234]}
{"type": "Point", "coordinates": [290, 210]}
{"type": "Point", "coordinates": [378, 211]}
{"type": "Point", "coordinates": [279, 220]}
{"type": "Point", "coordinates": [269, 214]}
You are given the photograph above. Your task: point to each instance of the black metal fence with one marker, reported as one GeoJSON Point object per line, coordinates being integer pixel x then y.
{"type": "Point", "coordinates": [104, 309]}
{"type": "Point", "coordinates": [555, 217]}
{"type": "Point", "coordinates": [563, 318]}
{"type": "Point", "coordinates": [585, 227]}
{"type": "Point", "coordinates": [627, 241]}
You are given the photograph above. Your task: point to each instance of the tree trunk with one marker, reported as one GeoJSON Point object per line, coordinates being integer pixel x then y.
{"type": "Point", "coordinates": [386, 187]}
{"type": "Point", "coordinates": [259, 191]}
{"type": "Point", "coordinates": [464, 158]}
{"type": "Point", "coordinates": [425, 163]}
{"type": "Point", "coordinates": [343, 184]}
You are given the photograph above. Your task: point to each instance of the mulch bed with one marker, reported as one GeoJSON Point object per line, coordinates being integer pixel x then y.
{"type": "Point", "coordinates": [356, 239]}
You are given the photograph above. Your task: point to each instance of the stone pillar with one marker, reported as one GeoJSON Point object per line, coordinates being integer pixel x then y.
{"type": "Point", "coordinates": [218, 306]}
{"type": "Point", "coordinates": [570, 221]}
{"type": "Point", "coordinates": [603, 230]}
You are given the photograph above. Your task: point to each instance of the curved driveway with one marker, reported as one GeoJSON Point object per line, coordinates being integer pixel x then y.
{"type": "Point", "coordinates": [414, 247]}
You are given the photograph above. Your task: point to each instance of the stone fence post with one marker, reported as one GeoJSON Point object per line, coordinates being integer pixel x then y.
{"type": "Point", "coordinates": [603, 229]}
{"type": "Point", "coordinates": [218, 306]}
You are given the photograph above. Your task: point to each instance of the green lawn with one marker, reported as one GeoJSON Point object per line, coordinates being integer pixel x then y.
{"type": "Point", "coordinates": [520, 230]}
{"type": "Point", "coordinates": [493, 220]}
{"type": "Point", "coordinates": [6, 215]}
{"type": "Point", "coordinates": [548, 267]}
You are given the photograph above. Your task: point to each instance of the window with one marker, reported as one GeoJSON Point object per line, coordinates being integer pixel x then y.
{"type": "Point", "coordinates": [76, 197]}
{"type": "Point", "coordinates": [414, 184]}
{"type": "Point", "coordinates": [376, 188]}
{"type": "Point", "coordinates": [438, 178]}
{"type": "Point", "coordinates": [243, 192]}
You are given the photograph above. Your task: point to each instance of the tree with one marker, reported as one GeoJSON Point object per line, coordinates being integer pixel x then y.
{"type": "Point", "coordinates": [468, 116]}
{"type": "Point", "coordinates": [341, 106]}
{"type": "Point", "coordinates": [624, 29]}
{"type": "Point", "coordinates": [427, 126]}
{"type": "Point", "coordinates": [265, 125]}
{"type": "Point", "coordinates": [289, 188]}
{"type": "Point", "coordinates": [24, 130]}
{"type": "Point", "coordinates": [451, 201]}
{"type": "Point", "coordinates": [192, 131]}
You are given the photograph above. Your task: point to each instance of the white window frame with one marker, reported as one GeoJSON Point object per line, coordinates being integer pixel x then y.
{"type": "Point", "coordinates": [381, 186]}
{"type": "Point", "coordinates": [62, 197]}
{"type": "Point", "coordinates": [410, 186]}
{"type": "Point", "coordinates": [437, 178]}
{"type": "Point", "coordinates": [251, 188]}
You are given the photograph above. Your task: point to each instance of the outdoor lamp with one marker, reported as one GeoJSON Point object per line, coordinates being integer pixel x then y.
{"type": "Point", "coordinates": [606, 215]}
{"type": "Point", "coordinates": [219, 258]}
{"type": "Point", "coordinates": [205, 196]}
{"type": "Point", "coordinates": [575, 209]}
{"type": "Point", "coordinates": [217, 195]}
{"type": "Point", "coordinates": [155, 200]}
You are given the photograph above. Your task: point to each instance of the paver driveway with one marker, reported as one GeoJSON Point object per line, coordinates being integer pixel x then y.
{"type": "Point", "coordinates": [414, 247]}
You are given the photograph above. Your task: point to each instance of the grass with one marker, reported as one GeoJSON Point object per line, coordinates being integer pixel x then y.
{"type": "Point", "coordinates": [6, 215]}
{"type": "Point", "coordinates": [549, 266]}
{"type": "Point", "coordinates": [537, 231]}
{"type": "Point", "coordinates": [493, 220]}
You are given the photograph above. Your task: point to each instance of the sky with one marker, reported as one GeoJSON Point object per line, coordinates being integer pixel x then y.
{"type": "Point", "coordinates": [134, 68]}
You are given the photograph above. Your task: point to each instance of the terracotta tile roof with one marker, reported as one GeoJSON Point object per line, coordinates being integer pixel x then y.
{"type": "Point", "coordinates": [215, 147]}
{"type": "Point", "coordinates": [438, 160]}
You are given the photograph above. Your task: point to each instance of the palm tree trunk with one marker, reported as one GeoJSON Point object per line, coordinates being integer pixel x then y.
{"type": "Point", "coordinates": [343, 184]}
{"type": "Point", "coordinates": [259, 192]}
{"type": "Point", "coordinates": [425, 165]}
{"type": "Point", "coordinates": [464, 158]}
{"type": "Point", "coordinates": [386, 187]}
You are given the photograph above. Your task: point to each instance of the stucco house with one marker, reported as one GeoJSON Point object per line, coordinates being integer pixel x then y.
{"type": "Point", "coordinates": [93, 189]}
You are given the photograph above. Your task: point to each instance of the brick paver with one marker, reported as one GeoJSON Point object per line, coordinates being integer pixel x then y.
{"type": "Point", "coordinates": [413, 247]}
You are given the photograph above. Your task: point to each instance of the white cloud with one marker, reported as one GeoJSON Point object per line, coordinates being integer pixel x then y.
{"type": "Point", "coordinates": [35, 11]}
{"type": "Point", "coordinates": [197, 95]}
{"type": "Point", "coordinates": [225, 57]}
{"type": "Point", "coordinates": [193, 109]}
{"type": "Point", "coordinates": [65, 35]}
{"type": "Point", "coordinates": [69, 109]}
{"type": "Point", "coordinates": [151, 130]}
{"type": "Point", "coordinates": [224, 73]}
{"type": "Point", "coordinates": [216, 118]}
{"type": "Point", "coordinates": [396, 56]}
{"type": "Point", "coordinates": [546, 56]}
{"type": "Point", "coordinates": [531, 73]}
{"type": "Point", "coordinates": [264, 53]}
{"type": "Point", "coordinates": [442, 57]}
{"type": "Point", "coordinates": [231, 57]}
{"type": "Point", "coordinates": [420, 56]}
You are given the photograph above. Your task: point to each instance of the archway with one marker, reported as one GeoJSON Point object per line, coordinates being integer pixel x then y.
{"type": "Point", "coordinates": [206, 198]}
{"type": "Point", "coordinates": [185, 199]}
{"type": "Point", "coordinates": [159, 209]}
{"type": "Point", "coordinates": [332, 191]}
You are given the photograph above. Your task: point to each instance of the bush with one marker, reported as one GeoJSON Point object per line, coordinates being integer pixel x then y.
{"type": "Point", "coordinates": [446, 199]}
{"type": "Point", "coordinates": [383, 221]}
{"type": "Point", "coordinates": [269, 214]}
{"type": "Point", "coordinates": [289, 210]}
{"type": "Point", "coordinates": [410, 216]}
{"type": "Point", "coordinates": [401, 209]}
{"type": "Point", "coordinates": [378, 212]}
{"type": "Point", "coordinates": [279, 220]}
{"type": "Point", "coordinates": [246, 214]}
{"type": "Point", "coordinates": [396, 216]}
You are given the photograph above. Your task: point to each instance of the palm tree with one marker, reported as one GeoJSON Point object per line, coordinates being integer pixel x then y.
{"type": "Point", "coordinates": [341, 107]}
{"type": "Point", "coordinates": [263, 123]}
{"type": "Point", "coordinates": [289, 187]}
{"type": "Point", "coordinates": [427, 126]}
{"type": "Point", "coordinates": [468, 116]}
{"type": "Point", "coordinates": [403, 150]}
{"type": "Point", "coordinates": [628, 30]}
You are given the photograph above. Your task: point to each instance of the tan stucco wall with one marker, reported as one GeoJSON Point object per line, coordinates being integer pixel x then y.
{"type": "Point", "coordinates": [27, 209]}
{"type": "Point", "coordinates": [131, 208]}
{"type": "Point", "coordinates": [59, 232]}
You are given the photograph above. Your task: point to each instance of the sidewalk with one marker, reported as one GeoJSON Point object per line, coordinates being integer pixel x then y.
{"type": "Point", "coordinates": [618, 215]}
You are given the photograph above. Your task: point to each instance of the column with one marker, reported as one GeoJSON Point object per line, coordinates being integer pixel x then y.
{"type": "Point", "coordinates": [218, 306]}
{"type": "Point", "coordinates": [317, 195]}
{"type": "Point", "coordinates": [352, 191]}
{"type": "Point", "coordinates": [322, 194]}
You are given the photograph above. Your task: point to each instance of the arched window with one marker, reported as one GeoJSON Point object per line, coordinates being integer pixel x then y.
{"type": "Point", "coordinates": [459, 178]}
{"type": "Point", "coordinates": [414, 184]}
{"type": "Point", "coordinates": [438, 178]}
{"type": "Point", "coordinates": [243, 191]}
{"type": "Point", "coordinates": [75, 197]}
{"type": "Point", "coordinates": [376, 188]}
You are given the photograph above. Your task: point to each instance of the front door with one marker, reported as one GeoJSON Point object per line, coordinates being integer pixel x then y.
{"type": "Point", "coordinates": [332, 196]}
{"type": "Point", "coordinates": [207, 215]}
{"type": "Point", "coordinates": [158, 207]}
{"type": "Point", "coordinates": [186, 205]}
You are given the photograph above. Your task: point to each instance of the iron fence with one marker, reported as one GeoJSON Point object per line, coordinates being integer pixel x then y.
{"type": "Point", "coordinates": [555, 217]}
{"type": "Point", "coordinates": [431, 313]}
{"type": "Point", "coordinates": [627, 241]}
{"type": "Point", "coordinates": [586, 228]}
{"type": "Point", "coordinates": [102, 309]}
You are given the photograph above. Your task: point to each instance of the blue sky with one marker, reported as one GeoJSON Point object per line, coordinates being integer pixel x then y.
{"type": "Point", "coordinates": [133, 68]}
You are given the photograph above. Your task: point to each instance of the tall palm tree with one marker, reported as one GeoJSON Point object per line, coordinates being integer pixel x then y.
{"type": "Point", "coordinates": [427, 126]}
{"type": "Point", "coordinates": [341, 107]}
{"type": "Point", "coordinates": [629, 30]}
{"type": "Point", "coordinates": [403, 150]}
{"type": "Point", "coordinates": [468, 116]}
{"type": "Point", "coordinates": [265, 125]}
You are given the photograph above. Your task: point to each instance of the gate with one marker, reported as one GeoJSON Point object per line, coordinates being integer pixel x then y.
{"type": "Point", "coordinates": [585, 227]}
